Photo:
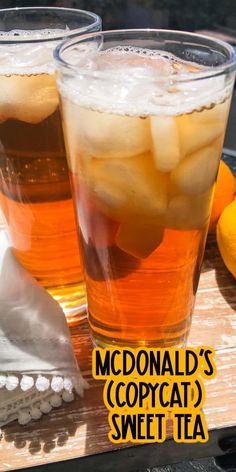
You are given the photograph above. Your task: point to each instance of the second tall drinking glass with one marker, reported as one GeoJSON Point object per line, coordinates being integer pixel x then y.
{"type": "Point", "coordinates": [35, 192]}
{"type": "Point", "coordinates": [144, 119]}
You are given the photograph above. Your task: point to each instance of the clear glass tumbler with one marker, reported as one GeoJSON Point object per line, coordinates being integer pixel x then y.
{"type": "Point", "coordinates": [144, 115]}
{"type": "Point", "coordinates": [35, 192]}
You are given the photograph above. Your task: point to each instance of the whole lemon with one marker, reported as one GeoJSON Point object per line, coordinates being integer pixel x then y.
{"type": "Point", "coordinates": [226, 237]}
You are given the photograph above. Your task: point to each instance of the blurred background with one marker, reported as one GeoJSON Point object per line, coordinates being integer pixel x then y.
{"type": "Point", "coordinates": [179, 14]}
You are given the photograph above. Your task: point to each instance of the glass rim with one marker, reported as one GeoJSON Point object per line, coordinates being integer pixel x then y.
{"type": "Point", "coordinates": [207, 72]}
{"type": "Point", "coordinates": [97, 22]}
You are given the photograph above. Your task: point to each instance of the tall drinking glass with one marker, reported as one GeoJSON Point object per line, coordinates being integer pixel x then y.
{"type": "Point", "coordinates": [35, 192]}
{"type": "Point", "coordinates": [144, 115]}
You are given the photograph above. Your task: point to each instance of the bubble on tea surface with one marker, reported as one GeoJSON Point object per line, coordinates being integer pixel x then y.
{"type": "Point", "coordinates": [165, 142]}
{"type": "Point", "coordinates": [139, 61]}
{"type": "Point", "coordinates": [105, 135]}
{"type": "Point", "coordinates": [185, 212]}
{"type": "Point", "coordinates": [28, 98]}
{"type": "Point", "coordinates": [21, 34]}
{"type": "Point", "coordinates": [143, 82]}
{"type": "Point", "coordinates": [129, 186]}
{"type": "Point", "coordinates": [197, 172]}
{"type": "Point", "coordinates": [139, 237]}
{"type": "Point", "coordinates": [23, 53]}
{"type": "Point", "coordinates": [189, 95]}
{"type": "Point", "coordinates": [215, 114]}
{"type": "Point", "coordinates": [129, 80]}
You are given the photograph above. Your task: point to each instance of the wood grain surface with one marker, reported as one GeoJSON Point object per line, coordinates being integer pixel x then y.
{"type": "Point", "coordinates": [79, 429]}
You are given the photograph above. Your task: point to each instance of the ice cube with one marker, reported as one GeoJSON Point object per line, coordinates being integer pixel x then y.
{"type": "Point", "coordinates": [104, 135]}
{"type": "Point", "coordinates": [75, 152]}
{"type": "Point", "coordinates": [165, 142]}
{"type": "Point", "coordinates": [188, 212]}
{"type": "Point", "coordinates": [131, 60]}
{"type": "Point", "coordinates": [196, 133]}
{"type": "Point", "coordinates": [96, 229]}
{"type": "Point", "coordinates": [30, 98]}
{"type": "Point", "coordinates": [111, 195]}
{"type": "Point", "coordinates": [139, 237]}
{"type": "Point", "coordinates": [126, 187]}
{"type": "Point", "coordinates": [197, 172]}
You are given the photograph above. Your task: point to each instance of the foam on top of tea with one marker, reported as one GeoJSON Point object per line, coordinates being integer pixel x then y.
{"type": "Point", "coordinates": [135, 81]}
{"type": "Point", "coordinates": [28, 89]}
{"type": "Point", "coordinates": [22, 57]}
{"type": "Point", "coordinates": [45, 33]}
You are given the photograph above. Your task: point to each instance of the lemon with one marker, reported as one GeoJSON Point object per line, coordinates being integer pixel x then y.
{"type": "Point", "coordinates": [226, 237]}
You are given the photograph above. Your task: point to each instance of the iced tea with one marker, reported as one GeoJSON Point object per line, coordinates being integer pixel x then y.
{"type": "Point", "coordinates": [35, 192]}
{"type": "Point", "coordinates": [143, 162]}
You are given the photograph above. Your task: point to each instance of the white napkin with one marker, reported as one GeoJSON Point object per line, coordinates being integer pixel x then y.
{"type": "Point", "coordinates": [38, 369]}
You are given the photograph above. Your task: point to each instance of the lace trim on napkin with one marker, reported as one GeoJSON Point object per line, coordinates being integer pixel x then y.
{"type": "Point", "coordinates": [31, 406]}
{"type": "Point", "coordinates": [36, 395]}
{"type": "Point", "coordinates": [42, 383]}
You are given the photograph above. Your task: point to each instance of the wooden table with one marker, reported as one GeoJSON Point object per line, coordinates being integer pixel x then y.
{"type": "Point", "coordinates": [78, 431]}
